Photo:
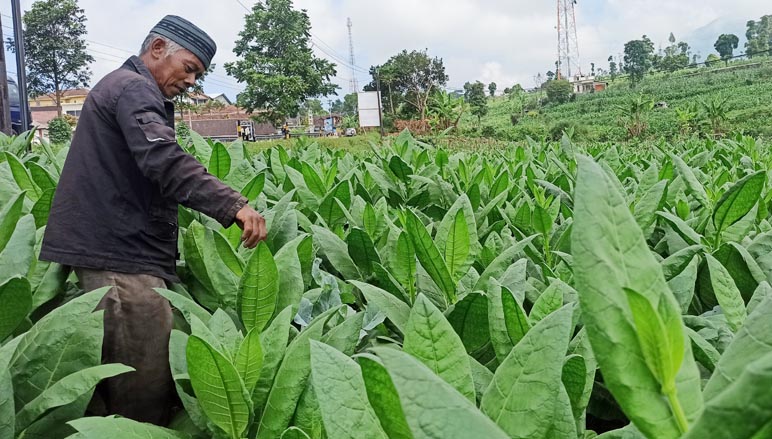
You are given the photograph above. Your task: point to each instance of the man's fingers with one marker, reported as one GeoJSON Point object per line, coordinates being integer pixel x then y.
{"type": "Point", "coordinates": [252, 240]}
{"type": "Point", "coordinates": [262, 230]}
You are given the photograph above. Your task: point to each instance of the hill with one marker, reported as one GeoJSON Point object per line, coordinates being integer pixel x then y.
{"type": "Point", "coordinates": [745, 88]}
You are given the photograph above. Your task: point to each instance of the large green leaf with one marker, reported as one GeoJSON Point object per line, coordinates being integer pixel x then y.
{"type": "Point", "coordinates": [330, 211]}
{"type": "Point", "coordinates": [100, 428]}
{"type": "Point", "coordinates": [692, 184]}
{"type": "Point", "coordinates": [743, 409]}
{"type": "Point", "coordinates": [274, 344]}
{"type": "Point", "coordinates": [396, 310]}
{"type": "Point", "coordinates": [335, 250]}
{"type": "Point", "coordinates": [752, 341]}
{"type": "Point", "coordinates": [42, 207]}
{"type": "Point", "coordinates": [290, 381]}
{"type": "Point", "coordinates": [738, 200]}
{"type": "Point", "coordinates": [16, 257]}
{"type": "Point", "coordinates": [610, 254]}
{"type": "Point", "coordinates": [430, 338]}
{"type": "Point", "coordinates": [249, 360]}
{"type": "Point", "coordinates": [15, 304]}
{"type": "Point", "coordinates": [727, 294]}
{"type": "Point", "coordinates": [220, 161]}
{"type": "Point", "coordinates": [67, 390]}
{"type": "Point", "coordinates": [9, 217]}
{"type": "Point", "coordinates": [291, 284]}
{"type": "Point", "coordinates": [403, 265]}
{"type": "Point", "coordinates": [63, 342]}
{"type": "Point", "coordinates": [218, 387]}
{"type": "Point", "coordinates": [429, 256]}
{"type": "Point", "coordinates": [258, 288]}
{"type": "Point", "coordinates": [383, 397]}
{"type": "Point", "coordinates": [342, 397]}
{"type": "Point", "coordinates": [433, 408]}
{"type": "Point", "coordinates": [362, 250]}
{"type": "Point", "coordinates": [450, 227]}
{"type": "Point", "coordinates": [522, 396]}
{"type": "Point", "coordinates": [22, 177]}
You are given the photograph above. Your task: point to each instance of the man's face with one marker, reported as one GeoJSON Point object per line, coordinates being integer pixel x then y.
{"type": "Point", "coordinates": [176, 72]}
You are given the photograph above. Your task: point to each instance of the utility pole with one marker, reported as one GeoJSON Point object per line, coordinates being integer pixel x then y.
{"type": "Point", "coordinates": [5, 108]}
{"type": "Point", "coordinates": [378, 89]}
{"type": "Point", "coordinates": [18, 40]}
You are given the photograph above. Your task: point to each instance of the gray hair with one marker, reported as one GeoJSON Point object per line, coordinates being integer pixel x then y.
{"type": "Point", "coordinates": [171, 46]}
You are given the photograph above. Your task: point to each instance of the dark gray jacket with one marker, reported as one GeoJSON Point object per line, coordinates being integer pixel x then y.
{"type": "Point", "coordinates": [115, 207]}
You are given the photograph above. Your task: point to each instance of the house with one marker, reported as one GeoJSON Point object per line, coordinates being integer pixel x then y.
{"type": "Point", "coordinates": [43, 108]}
{"type": "Point", "coordinates": [587, 84]}
{"type": "Point", "coordinates": [220, 97]}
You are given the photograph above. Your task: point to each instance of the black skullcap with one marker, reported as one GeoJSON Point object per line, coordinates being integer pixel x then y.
{"type": "Point", "coordinates": [187, 35]}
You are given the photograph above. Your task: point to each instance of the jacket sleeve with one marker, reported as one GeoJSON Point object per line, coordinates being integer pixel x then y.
{"type": "Point", "coordinates": [141, 117]}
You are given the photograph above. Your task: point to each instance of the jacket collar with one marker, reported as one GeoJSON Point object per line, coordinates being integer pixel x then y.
{"type": "Point", "coordinates": [135, 63]}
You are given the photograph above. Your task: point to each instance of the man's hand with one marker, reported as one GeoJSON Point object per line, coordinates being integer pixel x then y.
{"type": "Point", "coordinates": [253, 225]}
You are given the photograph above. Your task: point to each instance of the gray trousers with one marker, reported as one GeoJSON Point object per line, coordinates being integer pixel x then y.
{"type": "Point", "coordinates": [137, 324]}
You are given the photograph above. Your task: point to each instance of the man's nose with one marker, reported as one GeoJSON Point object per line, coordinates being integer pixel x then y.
{"type": "Point", "coordinates": [190, 80]}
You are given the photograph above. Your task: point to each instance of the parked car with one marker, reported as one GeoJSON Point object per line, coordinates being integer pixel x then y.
{"type": "Point", "coordinates": [351, 132]}
{"type": "Point", "coordinates": [13, 102]}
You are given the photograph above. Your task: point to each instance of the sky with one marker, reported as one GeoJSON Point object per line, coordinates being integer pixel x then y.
{"type": "Point", "coordinates": [502, 41]}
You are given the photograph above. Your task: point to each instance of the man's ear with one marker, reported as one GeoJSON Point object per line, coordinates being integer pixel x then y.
{"type": "Point", "coordinates": [158, 48]}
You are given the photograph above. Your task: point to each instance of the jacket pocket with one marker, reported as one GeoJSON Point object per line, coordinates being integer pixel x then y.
{"type": "Point", "coordinates": [162, 219]}
{"type": "Point", "coordinates": [155, 127]}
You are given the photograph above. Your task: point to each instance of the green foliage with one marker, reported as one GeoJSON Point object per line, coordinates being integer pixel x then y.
{"type": "Point", "coordinates": [492, 89]}
{"type": "Point", "coordinates": [415, 291]}
{"type": "Point", "coordinates": [276, 62]}
{"type": "Point", "coordinates": [182, 129]}
{"type": "Point", "coordinates": [59, 131]}
{"type": "Point", "coordinates": [638, 59]}
{"type": "Point", "coordinates": [725, 45]}
{"type": "Point", "coordinates": [559, 91]}
{"type": "Point", "coordinates": [55, 48]}
{"type": "Point", "coordinates": [408, 80]}
{"type": "Point", "coordinates": [758, 34]}
{"type": "Point", "coordinates": [474, 95]}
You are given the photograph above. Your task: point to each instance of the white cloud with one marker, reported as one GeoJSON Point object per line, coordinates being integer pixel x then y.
{"type": "Point", "coordinates": [505, 41]}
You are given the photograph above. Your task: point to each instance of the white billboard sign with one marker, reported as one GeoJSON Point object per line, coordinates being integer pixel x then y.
{"type": "Point", "coordinates": [369, 114]}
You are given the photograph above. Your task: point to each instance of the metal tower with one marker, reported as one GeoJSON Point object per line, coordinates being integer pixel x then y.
{"type": "Point", "coordinates": [568, 42]}
{"type": "Point", "coordinates": [353, 82]}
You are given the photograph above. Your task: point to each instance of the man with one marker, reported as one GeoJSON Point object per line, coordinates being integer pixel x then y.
{"type": "Point", "coordinates": [114, 214]}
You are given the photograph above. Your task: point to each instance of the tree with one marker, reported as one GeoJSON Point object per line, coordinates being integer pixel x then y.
{"type": "Point", "coordinates": [59, 130]}
{"type": "Point", "coordinates": [474, 95]}
{"type": "Point", "coordinates": [612, 68]}
{"type": "Point", "coordinates": [410, 78]}
{"type": "Point", "coordinates": [638, 59]}
{"type": "Point", "coordinates": [592, 68]}
{"type": "Point", "coordinates": [276, 62]}
{"type": "Point", "coordinates": [315, 107]}
{"type": "Point", "coordinates": [492, 88]}
{"type": "Point", "coordinates": [445, 110]}
{"type": "Point", "coordinates": [559, 91]}
{"type": "Point", "coordinates": [675, 56]}
{"type": "Point", "coordinates": [759, 36]}
{"type": "Point", "coordinates": [725, 45]}
{"type": "Point", "coordinates": [550, 75]}
{"type": "Point", "coordinates": [350, 104]}
{"type": "Point", "coordinates": [55, 48]}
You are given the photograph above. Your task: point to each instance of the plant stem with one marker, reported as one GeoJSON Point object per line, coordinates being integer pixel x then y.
{"type": "Point", "coordinates": [678, 411]}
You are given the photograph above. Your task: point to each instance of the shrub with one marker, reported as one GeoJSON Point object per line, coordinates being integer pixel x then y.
{"type": "Point", "coordinates": [59, 130]}
{"type": "Point", "coordinates": [559, 91]}
{"type": "Point", "coordinates": [182, 129]}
